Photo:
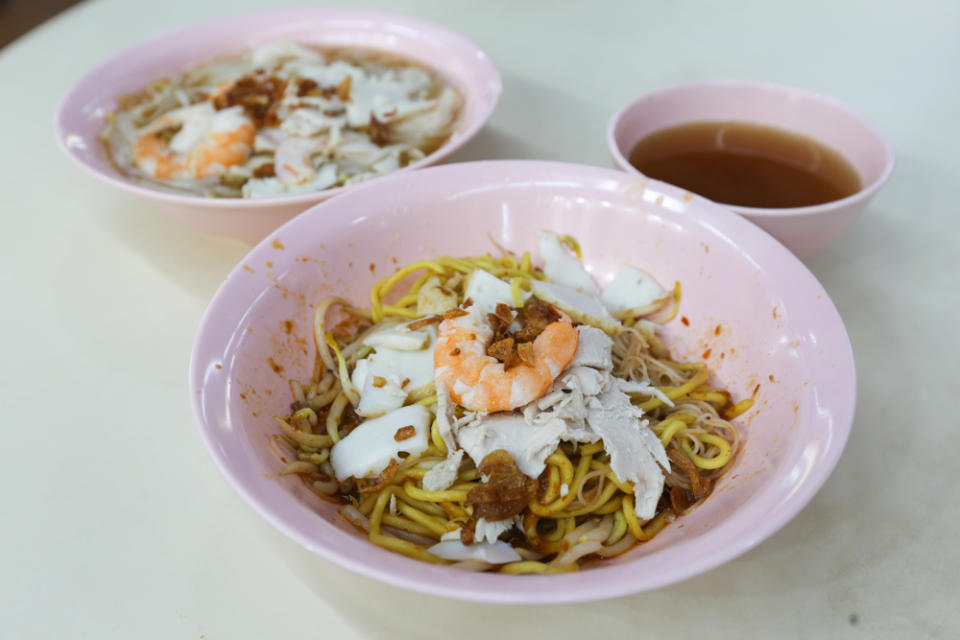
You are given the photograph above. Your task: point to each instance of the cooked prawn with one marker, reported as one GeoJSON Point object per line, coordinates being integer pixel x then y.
{"type": "Point", "coordinates": [195, 142]}
{"type": "Point", "coordinates": [480, 382]}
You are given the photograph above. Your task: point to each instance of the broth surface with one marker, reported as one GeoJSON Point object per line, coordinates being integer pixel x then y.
{"type": "Point", "coordinates": [746, 164]}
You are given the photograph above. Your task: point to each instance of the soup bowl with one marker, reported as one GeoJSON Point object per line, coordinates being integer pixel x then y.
{"type": "Point", "coordinates": [771, 329]}
{"type": "Point", "coordinates": [806, 231]}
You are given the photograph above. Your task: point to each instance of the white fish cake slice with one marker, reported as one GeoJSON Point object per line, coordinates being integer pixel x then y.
{"type": "Point", "coordinates": [494, 553]}
{"type": "Point", "coordinates": [402, 371]}
{"type": "Point", "coordinates": [632, 288]}
{"type": "Point", "coordinates": [563, 267]}
{"type": "Point", "coordinates": [369, 448]}
{"type": "Point", "coordinates": [487, 291]}
{"type": "Point", "coordinates": [583, 308]}
{"type": "Point", "coordinates": [399, 338]}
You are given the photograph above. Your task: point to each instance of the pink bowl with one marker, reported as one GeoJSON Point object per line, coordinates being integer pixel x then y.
{"type": "Point", "coordinates": [778, 333]}
{"type": "Point", "coordinates": [81, 113]}
{"type": "Point", "coordinates": [804, 230]}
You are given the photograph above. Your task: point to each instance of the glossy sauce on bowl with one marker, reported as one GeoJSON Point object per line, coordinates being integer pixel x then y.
{"type": "Point", "coordinates": [746, 164]}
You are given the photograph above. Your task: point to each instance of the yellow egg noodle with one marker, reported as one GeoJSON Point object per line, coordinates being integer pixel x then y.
{"type": "Point", "coordinates": [581, 510]}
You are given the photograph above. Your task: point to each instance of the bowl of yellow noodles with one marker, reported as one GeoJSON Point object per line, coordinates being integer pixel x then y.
{"type": "Point", "coordinates": [702, 403]}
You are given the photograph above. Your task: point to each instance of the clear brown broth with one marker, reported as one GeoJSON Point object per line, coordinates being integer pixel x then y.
{"type": "Point", "coordinates": [746, 164]}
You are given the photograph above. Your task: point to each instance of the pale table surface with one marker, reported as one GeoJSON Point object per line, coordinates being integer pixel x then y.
{"type": "Point", "coordinates": [115, 524]}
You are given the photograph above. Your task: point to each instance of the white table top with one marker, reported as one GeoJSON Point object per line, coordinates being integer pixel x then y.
{"type": "Point", "coordinates": [117, 525]}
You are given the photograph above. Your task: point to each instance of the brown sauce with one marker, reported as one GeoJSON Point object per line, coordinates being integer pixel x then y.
{"type": "Point", "coordinates": [746, 164]}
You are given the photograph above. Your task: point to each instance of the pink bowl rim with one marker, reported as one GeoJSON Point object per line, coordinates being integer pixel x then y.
{"type": "Point", "coordinates": [558, 588]}
{"type": "Point", "coordinates": [865, 193]}
{"type": "Point", "coordinates": [286, 15]}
